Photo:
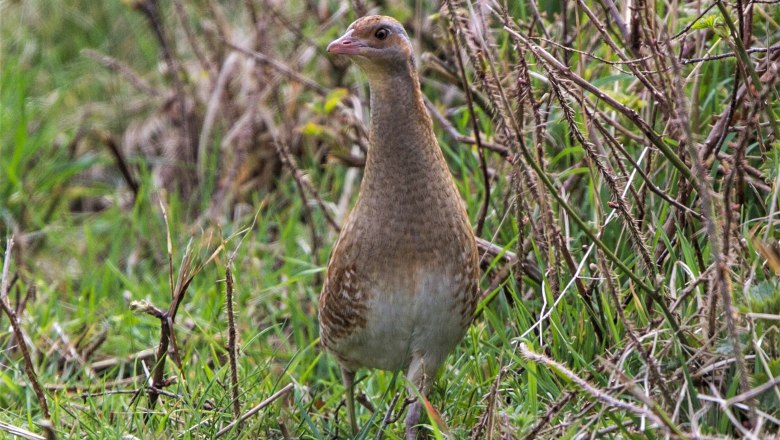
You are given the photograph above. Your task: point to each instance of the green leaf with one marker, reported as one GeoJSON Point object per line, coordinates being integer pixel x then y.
{"type": "Point", "coordinates": [312, 129]}
{"type": "Point", "coordinates": [334, 98]}
{"type": "Point", "coordinates": [764, 297]}
{"type": "Point", "coordinates": [708, 22]}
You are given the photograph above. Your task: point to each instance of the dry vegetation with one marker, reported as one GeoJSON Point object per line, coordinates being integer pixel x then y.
{"type": "Point", "coordinates": [174, 173]}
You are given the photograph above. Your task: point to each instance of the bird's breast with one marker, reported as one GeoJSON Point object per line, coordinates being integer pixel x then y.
{"type": "Point", "coordinates": [409, 311]}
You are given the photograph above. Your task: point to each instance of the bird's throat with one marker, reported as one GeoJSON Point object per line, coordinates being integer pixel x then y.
{"type": "Point", "coordinates": [401, 138]}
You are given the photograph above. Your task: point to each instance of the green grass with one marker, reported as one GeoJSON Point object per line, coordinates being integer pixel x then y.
{"type": "Point", "coordinates": [86, 249]}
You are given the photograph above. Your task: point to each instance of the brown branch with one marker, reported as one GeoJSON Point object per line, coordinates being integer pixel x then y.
{"type": "Point", "coordinates": [150, 10]}
{"type": "Point", "coordinates": [631, 64]}
{"type": "Point", "coordinates": [510, 258]}
{"type": "Point", "coordinates": [387, 417]}
{"type": "Point", "coordinates": [722, 282]}
{"type": "Point", "coordinates": [485, 422]}
{"type": "Point", "coordinates": [595, 392]}
{"type": "Point", "coordinates": [255, 410]}
{"type": "Point", "coordinates": [596, 57]}
{"type": "Point", "coordinates": [281, 68]}
{"type": "Point", "coordinates": [475, 126]}
{"type": "Point", "coordinates": [723, 124]}
{"type": "Point", "coordinates": [501, 150]}
{"type": "Point", "coordinates": [29, 367]}
{"type": "Point", "coordinates": [121, 162]}
{"type": "Point", "coordinates": [753, 393]}
{"type": "Point", "coordinates": [692, 23]}
{"type": "Point", "coordinates": [117, 66]}
{"type": "Point", "coordinates": [545, 420]}
{"type": "Point", "coordinates": [188, 269]}
{"type": "Point", "coordinates": [181, 13]}
{"type": "Point", "coordinates": [612, 142]}
{"type": "Point", "coordinates": [126, 362]}
{"type": "Point", "coordinates": [606, 173]}
{"type": "Point", "coordinates": [729, 54]}
{"type": "Point", "coordinates": [631, 114]}
{"type": "Point", "coordinates": [232, 346]}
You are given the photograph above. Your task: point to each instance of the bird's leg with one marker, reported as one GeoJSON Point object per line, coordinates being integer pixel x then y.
{"type": "Point", "coordinates": [418, 378]}
{"type": "Point", "coordinates": [348, 378]}
{"type": "Point", "coordinates": [413, 419]}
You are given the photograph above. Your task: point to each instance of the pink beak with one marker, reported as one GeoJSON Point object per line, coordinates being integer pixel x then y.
{"type": "Point", "coordinates": [346, 45]}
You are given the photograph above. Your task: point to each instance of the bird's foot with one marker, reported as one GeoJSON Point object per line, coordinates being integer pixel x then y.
{"type": "Point", "coordinates": [412, 420]}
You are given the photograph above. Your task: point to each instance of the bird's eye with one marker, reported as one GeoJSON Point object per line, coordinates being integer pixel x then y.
{"type": "Point", "coordinates": [381, 33]}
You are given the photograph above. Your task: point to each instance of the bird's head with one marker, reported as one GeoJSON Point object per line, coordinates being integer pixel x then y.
{"type": "Point", "coordinates": [378, 44]}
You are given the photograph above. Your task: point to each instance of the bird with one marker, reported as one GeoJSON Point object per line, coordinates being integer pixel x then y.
{"type": "Point", "coordinates": [402, 282]}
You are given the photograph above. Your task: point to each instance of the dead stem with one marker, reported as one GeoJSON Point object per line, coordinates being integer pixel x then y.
{"type": "Point", "coordinates": [29, 367]}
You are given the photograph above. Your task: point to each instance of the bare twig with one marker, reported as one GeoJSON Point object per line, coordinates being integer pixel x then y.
{"type": "Point", "coordinates": [388, 415]}
{"type": "Point", "coordinates": [728, 54]}
{"type": "Point", "coordinates": [597, 393]}
{"type": "Point", "coordinates": [510, 258]}
{"type": "Point", "coordinates": [232, 344]}
{"type": "Point", "coordinates": [20, 432]}
{"type": "Point", "coordinates": [674, 159]}
{"type": "Point", "coordinates": [132, 77]}
{"type": "Point", "coordinates": [545, 420]}
{"type": "Point", "coordinates": [29, 367]}
{"type": "Point", "coordinates": [150, 10]}
{"type": "Point", "coordinates": [475, 126]}
{"type": "Point", "coordinates": [181, 13]}
{"type": "Point", "coordinates": [693, 22]}
{"type": "Point", "coordinates": [753, 393]}
{"type": "Point", "coordinates": [281, 68]}
{"type": "Point", "coordinates": [255, 410]}
{"type": "Point", "coordinates": [120, 159]}
{"type": "Point", "coordinates": [188, 269]}
{"type": "Point", "coordinates": [501, 150]}
{"type": "Point", "coordinates": [485, 423]}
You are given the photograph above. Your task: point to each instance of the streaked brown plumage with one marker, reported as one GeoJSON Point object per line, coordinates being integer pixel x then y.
{"type": "Point", "coordinates": [401, 287]}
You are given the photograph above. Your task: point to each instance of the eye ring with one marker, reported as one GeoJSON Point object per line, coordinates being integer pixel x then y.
{"type": "Point", "coordinates": [381, 33]}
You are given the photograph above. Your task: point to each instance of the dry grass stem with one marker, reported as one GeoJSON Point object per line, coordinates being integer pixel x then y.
{"type": "Point", "coordinates": [595, 392]}
{"type": "Point", "coordinates": [618, 162]}
{"type": "Point", "coordinates": [287, 388]}
{"type": "Point", "coordinates": [232, 342]}
{"type": "Point", "coordinates": [21, 341]}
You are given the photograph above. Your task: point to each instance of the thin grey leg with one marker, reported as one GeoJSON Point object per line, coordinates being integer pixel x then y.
{"type": "Point", "coordinates": [348, 378]}
{"type": "Point", "coordinates": [412, 420]}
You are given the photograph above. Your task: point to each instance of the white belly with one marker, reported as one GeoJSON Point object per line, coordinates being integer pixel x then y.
{"type": "Point", "coordinates": [420, 318]}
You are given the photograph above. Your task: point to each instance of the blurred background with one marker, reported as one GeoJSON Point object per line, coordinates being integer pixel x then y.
{"type": "Point", "coordinates": [623, 182]}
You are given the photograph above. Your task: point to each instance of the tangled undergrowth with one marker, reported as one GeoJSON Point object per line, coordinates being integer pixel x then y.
{"type": "Point", "coordinates": [175, 173]}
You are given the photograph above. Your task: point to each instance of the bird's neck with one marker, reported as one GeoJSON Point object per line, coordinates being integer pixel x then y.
{"type": "Point", "coordinates": [402, 146]}
{"type": "Point", "coordinates": [408, 203]}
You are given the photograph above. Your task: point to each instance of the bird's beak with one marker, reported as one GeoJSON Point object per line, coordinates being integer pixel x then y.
{"type": "Point", "coordinates": [346, 45]}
